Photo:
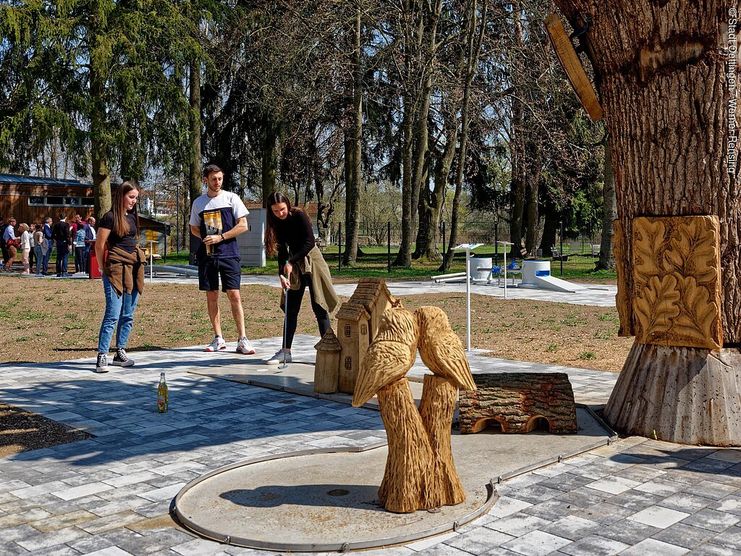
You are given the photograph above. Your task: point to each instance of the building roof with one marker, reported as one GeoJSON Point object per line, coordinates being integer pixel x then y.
{"type": "Point", "coordinates": [352, 311]}
{"type": "Point", "coordinates": [36, 180]}
{"type": "Point", "coordinates": [368, 291]}
{"type": "Point", "coordinates": [329, 342]}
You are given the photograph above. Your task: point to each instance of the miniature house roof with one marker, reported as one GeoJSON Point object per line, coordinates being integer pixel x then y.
{"type": "Point", "coordinates": [352, 312]}
{"type": "Point", "coordinates": [329, 342]}
{"type": "Point", "coordinates": [368, 292]}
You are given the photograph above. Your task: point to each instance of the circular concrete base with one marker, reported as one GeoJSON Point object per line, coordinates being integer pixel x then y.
{"type": "Point", "coordinates": [313, 501]}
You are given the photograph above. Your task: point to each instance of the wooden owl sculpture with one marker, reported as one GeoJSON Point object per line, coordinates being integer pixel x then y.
{"type": "Point", "coordinates": [441, 349]}
{"type": "Point", "coordinates": [390, 356]}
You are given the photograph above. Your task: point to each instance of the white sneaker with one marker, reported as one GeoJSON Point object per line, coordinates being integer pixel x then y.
{"type": "Point", "coordinates": [101, 365]}
{"type": "Point", "coordinates": [279, 357]}
{"type": "Point", "coordinates": [244, 346]}
{"type": "Point", "coordinates": [217, 344]}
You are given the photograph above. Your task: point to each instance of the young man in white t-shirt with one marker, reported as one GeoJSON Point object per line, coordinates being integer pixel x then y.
{"type": "Point", "coordinates": [217, 217]}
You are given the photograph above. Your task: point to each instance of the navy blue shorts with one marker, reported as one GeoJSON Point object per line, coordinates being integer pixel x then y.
{"type": "Point", "coordinates": [213, 267]}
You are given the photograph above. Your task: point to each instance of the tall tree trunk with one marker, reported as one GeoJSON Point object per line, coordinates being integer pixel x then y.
{"type": "Point", "coordinates": [550, 228]}
{"type": "Point", "coordinates": [352, 200]}
{"type": "Point", "coordinates": [533, 185]}
{"type": "Point", "coordinates": [441, 174]}
{"type": "Point", "coordinates": [404, 257]}
{"type": "Point", "coordinates": [98, 151]}
{"type": "Point", "coordinates": [517, 148]}
{"type": "Point", "coordinates": [473, 48]}
{"type": "Point", "coordinates": [269, 158]}
{"type": "Point", "coordinates": [609, 214]}
{"type": "Point", "coordinates": [661, 74]}
{"type": "Point", "coordinates": [195, 164]}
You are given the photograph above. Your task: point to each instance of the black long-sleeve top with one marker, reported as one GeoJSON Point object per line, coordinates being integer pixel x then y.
{"type": "Point", "coordinates": [295, 238]}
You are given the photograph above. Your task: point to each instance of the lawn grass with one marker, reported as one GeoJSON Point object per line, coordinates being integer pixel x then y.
{"type": "Point", "coordinates": [373, 263]}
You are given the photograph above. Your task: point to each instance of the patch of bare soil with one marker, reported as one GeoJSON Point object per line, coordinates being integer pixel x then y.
{"type": "Point", "coordinates": [55, 320]}
{"type": "Point", "coordinates": [21, 431]}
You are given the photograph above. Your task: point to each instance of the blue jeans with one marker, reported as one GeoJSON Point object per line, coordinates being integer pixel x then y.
{"type": "Point", "coordinates": [45, 262]}
{"type": "Point", "coordinates": [39, 257]}
{"type": "Point", "coordinates": [118, 309]}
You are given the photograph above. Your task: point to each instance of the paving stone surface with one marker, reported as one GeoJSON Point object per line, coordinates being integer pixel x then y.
{"type": "Point", "coordinates": [110, 494]}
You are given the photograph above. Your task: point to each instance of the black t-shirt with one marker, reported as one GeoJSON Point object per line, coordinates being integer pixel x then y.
{"type": "Point", "coordinates": [295, 238]}
{"type": "Point", "coordinates": [127, 242]}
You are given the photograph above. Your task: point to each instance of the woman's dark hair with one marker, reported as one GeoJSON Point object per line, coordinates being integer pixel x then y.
{"type": "Point", "coordinates": [120, 224]}
{"type": "Point", "coordinates": [271, 240]}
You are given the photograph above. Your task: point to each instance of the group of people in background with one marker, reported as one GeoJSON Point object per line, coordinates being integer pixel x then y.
{"type": "Point", "coordinates": [37, 243]}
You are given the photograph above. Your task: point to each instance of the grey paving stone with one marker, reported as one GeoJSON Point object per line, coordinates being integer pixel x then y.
{"type": "Point", "coordinates": [47, 540]}
{"type": "Point", "coordinates": [715, 490]}
{"type": "Point", "coordinates": [635, 500]}
{"type": "Point", "coordinates": [730, 538]}
{"type": "Point", "coordinates": [630, 532]}
{"type": "Point", "coordinates": [658, 516]}
{"type": "Point", "coordinates": [517, 524]}
{"type": "Point", "coordinates": [552, 510]}
{"type": "Point", "coordinates": [729, 504]}
{"type": "Point", "coordinates": [594, 545]}
{"type": "Point", "coordinates": [536, 543]}
{"type": "Point", "coordinates": [11, 548]}
{"type": "Point", "coordinates": [683, 534]}
{"type": "Point", "coordinates": [479, 540]}
{"type": "Point", "coordinates": [712, 520]}
{"type": "Point", "coordinates": [684, 501]}
{"type": "Point", "coordinates": [711, 549]}
{"type": "Point", "coordinates": [443, 550]}
{"type": "Point", "coordinates": [572, 527]}
{"type": "Point", "coordinates": [604, 513]}
{"type": "Point", "coordinates": [200, 547]}
{"type": "Point", "coordinates": [654, 548]}
{"type": "Point", "coordinates": [60, 550]}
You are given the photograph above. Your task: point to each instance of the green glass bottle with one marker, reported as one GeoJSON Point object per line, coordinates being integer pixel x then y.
{"type": "Point", "coordinates": [162, 396]}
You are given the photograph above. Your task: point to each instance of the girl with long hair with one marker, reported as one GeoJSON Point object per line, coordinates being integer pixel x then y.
{"type": "Point", "coordinates": [300, 265]}
{"type": "Point", "coordinates": [121, 264]}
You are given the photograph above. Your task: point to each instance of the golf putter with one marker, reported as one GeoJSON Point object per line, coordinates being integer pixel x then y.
{"type": "Point", "coordinates": [285, 327]}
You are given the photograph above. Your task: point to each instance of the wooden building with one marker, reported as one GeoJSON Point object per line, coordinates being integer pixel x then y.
{"type": "Point", "coordinates": [31, 199]}
{"type": "Point", "coordinates": [373, 294]}
{"type": "Point", "coordinates": [353, 335]}
{"type": "Point", "coordinates": [327, 366]}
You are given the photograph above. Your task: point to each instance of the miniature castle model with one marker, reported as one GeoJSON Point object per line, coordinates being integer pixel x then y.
{"type": "Point", "coordinates": [339, 357]}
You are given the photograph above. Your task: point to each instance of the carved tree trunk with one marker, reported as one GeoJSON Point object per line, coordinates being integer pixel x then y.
{"type": "Point", "coordinates": [405, 486]}
{"type": "Point", "coordinates": [436, 408]}
{"type": "Point", "coordinates": [660, 68]}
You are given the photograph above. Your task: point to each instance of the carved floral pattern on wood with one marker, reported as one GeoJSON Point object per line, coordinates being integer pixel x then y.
{"type": "Point", "coordinates": [676, 281]}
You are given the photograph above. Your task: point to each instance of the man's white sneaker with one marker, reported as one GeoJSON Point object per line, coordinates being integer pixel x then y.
{"type": "Point", "coordinates": [101, 365]}
{"type": "Point", "coordinates": [244, 346]}
{"type": "Point", "coordinates": [280, 357]}
{"type": "Point", "coordinates": [217, 344]}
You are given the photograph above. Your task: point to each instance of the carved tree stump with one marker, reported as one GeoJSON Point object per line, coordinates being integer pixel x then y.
{"type": "Point", "coordinates": [436, 409]}
{"type": "Point", "coordinates": [517, 400]}
{"type": "Point", "coordinates": [406, 481]}
{"type": "Point", "coordinates": [703, 387]}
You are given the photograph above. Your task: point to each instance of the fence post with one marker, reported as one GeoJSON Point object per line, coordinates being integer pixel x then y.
{"type": "Point", "coordinates": [388, 245]}
{"type": "Point", "coordinates": [339, 246]}
{"type": "Point", "coordinates": [560, 249]}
